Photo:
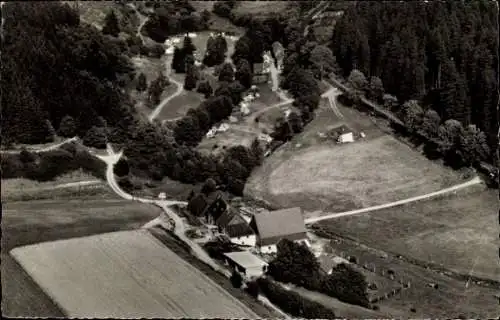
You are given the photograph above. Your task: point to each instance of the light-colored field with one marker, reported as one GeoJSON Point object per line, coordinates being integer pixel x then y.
{"type": "Point", "coordinates": [66, 185]}
{"type": "Point", "coordinates": [350, 176]}
{"type": "Point", "coordinates": [125, 274]}
{"type": "Point", "coordinates": [318, 174]}
{"type": "Point", "coordinates": [457, 231]}
{"type": "Point", "coordinates": [11, 185]}
{"type": "Point", "coordinates": [29, 222]}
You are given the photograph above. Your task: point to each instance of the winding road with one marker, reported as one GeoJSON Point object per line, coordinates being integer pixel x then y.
{"type": "Point", "coordinates": [474, 181]}
{"type": "Point", "coordinates": [142, 20]}
{"type": "Point", "coordinates": [177, 92]}
{"type": "Point", "coordinates": [111, 159]}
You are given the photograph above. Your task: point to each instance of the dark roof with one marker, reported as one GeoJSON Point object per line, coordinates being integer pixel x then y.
{"type": "Point", "coordinates": [280, 224]}
{"type": "Point", "coordinates": [233, 224]}
{"type": "Point", "coordinates": [212, 200]}
{"type": "Point", "coordinates": [198, 204]}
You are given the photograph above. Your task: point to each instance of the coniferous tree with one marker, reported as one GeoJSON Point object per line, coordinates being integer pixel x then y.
{"type": "Point", "coordinates": [111, 24]}
{"type": "Point", "coordinates": [190, 79]}
{"type": "Point", "coordinates": [142, 83]}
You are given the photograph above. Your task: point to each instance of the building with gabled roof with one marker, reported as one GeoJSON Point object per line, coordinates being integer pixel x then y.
{"type": "Point", "coordinates": [232, 224]}
{"type": "Point", "coordinates": [271, 227]}
{"type": "Point", "coordinates": [246, 263]}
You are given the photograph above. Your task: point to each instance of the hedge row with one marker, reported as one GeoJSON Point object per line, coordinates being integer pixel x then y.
{"type": "Point", "coordinates": [292, 302]}
{"type": "Point", "coordinates": [48, 165]}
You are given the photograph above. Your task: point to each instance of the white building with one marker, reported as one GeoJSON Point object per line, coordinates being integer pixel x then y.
{"type": "Point", "coordinates": [162, 196]}
{"type": "Point", "coordinates": [244, 109]}
{"type": "Point", "coordinates": [169, 50]}
{"type": "Point", "coordinates": [265, 137]}
{"type": "Point", "coordinates": [346, 137]}
{"type": "Point", "coordinates": [192, 35]}
{"type": "Point", "coordinates": [223, 127]}
{"type": "Point", "coordinates": [246, 263]}
{"type": "Point", "coordinates": [211, 133]}
{"type": "Point", "coordinates": [271, 227]}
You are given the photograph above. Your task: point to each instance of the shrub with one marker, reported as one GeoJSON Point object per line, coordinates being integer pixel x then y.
{"type": "Point", "coordinates": [26, 156]}
{"type": "Point", "coordinates": [121, 168]}
{"type": "Point", "coordinates": [95, 137]}
{"type": "Point", "coordinates": [236, 279]}
{"type": "Point", "coordinates": [292, 302]}
{"type": "Point", "coordinates": [216, 249]}
{"type": "Point", "coordinates": [252, 289]}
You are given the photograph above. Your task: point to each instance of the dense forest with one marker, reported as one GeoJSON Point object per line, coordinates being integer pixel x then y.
{"type": "Point", "coordinates": [54, 68]}
{"type": "Point", "coordinates": [443, 54]}
{"type": "Point", "coordinates": [173, 17]}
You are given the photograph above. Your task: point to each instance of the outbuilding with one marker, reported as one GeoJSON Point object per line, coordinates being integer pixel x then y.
{"type": "Point", "coordinates": [346, 137]}
{"type": "Point", "coordinates": [246, 263]}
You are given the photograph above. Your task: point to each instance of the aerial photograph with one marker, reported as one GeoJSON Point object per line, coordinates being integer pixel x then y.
{"type": "Point", "coordinates": [250, 159]}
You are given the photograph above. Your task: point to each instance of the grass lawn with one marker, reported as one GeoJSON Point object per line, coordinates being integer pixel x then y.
{"type": "Point", "coordinates": [323, 175]}
{"type": "Point", "coordinates": [24, 189]}
{"type": "Point", "coordinates": [235, 136]}
{"type": "Point", "coordinates": [179, 106]}
{"type": "Point", "coordinates": [259, 8]}
{"type": "Point", "coordinates": [31, 222]}
{"type": "Point", "coordinates": [458, 232]}
{"type": "Point", "coordinates": [452, 298]}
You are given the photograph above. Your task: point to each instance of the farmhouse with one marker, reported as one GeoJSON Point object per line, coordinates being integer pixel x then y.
{"type": "Point", "coordinates": [216, 205]}
{"type": "Point", "coordinates": [236, 228]}
{"type": "Point", "coordinates": [271, 227]}
{"type": "Point", "coordinates": [246, 263]}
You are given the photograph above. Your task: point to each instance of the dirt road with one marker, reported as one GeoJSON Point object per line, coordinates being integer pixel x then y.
{"type": "Point", "coordinates": [41, 149]}
{"type": "Point", "coordinates": [111, 159]}
{"type": "Point", "coordinates": [469, 183]}
{"type": "Point", "coordinates": [177, 92]}
{"type": "Point", "coordinates": [142, 20]}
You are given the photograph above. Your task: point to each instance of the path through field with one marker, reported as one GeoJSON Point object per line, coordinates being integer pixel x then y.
{"type": "Point", "coordinates": [332, 95]}
{"type": "Point", "coordinates": [143, 20]}
{"type": "Point", "coordinates": [474, 181]}
{"type": "Point", "coordinates": [179, 90]}
{"type": "Point", "coordinates": [42, 149]}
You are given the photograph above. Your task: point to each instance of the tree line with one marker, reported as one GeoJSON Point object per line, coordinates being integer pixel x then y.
{"type": "Point", "coordinates": [172, 18]}
{"type": "Point", "coordinates": [58, 75]}
{"type": "Point", "coordinates": [48, 165]}
{"type": "Point", "coordinates": [459, 146]}
{"type": "Point", "coordinates": [443, 54]}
